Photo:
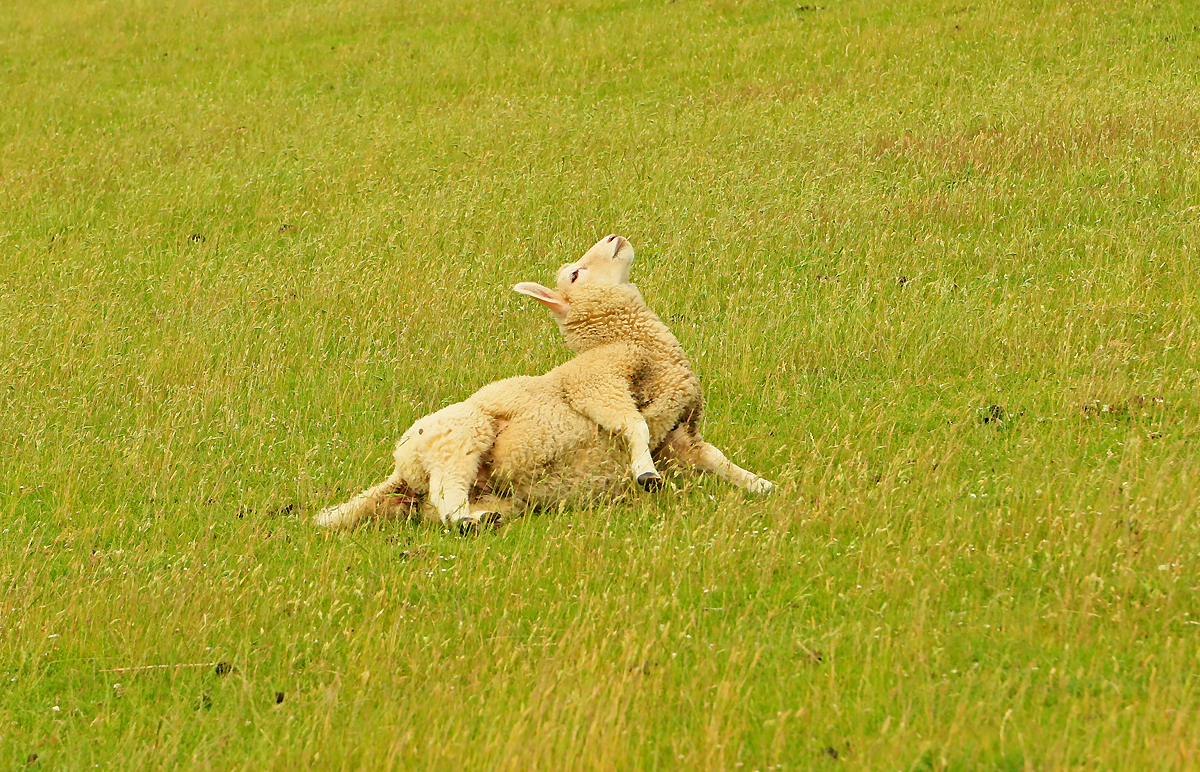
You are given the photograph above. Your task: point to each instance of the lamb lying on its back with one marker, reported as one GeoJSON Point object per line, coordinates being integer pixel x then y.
{"type": "Point", "coordinates": [531, 441]}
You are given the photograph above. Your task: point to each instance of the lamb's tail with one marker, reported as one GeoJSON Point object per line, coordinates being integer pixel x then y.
{"type": "Point", "coordinates": [390, 497]}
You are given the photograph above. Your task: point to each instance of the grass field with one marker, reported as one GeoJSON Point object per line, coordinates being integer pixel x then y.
{"type": "Point", "coordinates": [934, 262]}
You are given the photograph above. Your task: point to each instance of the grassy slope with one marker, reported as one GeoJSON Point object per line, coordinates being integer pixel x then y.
{"type": "Point", "coordinates": [867, 224]}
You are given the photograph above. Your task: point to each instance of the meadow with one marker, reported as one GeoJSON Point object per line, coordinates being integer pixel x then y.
{"type": "Point", "coordinates": [935, 263]}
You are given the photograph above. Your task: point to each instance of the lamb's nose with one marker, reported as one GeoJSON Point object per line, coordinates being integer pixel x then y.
{"type": "Point", "coordinates": [611, 237]}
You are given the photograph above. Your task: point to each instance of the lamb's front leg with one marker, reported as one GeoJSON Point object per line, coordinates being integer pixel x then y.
{"type": "Point", "coordinates": [618, 413]}
{"type": "Point", "coordinates": [597, 384]}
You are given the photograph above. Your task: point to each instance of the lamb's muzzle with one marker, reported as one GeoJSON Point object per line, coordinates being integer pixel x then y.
{"type": "Point", "coordinates": [607, 262]}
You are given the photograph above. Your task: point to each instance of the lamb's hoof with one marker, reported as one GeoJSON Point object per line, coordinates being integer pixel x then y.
{"type": "Point", "coordinates": [476, 522]}
{"type": "Point", "coordinates": [327, 518]}
{"type": "Point", "coordinates": [761, 486]}
{"type": "Point", "coordinates": [468, 526]}
{"type": "Point", "coordinates": [651, 481]}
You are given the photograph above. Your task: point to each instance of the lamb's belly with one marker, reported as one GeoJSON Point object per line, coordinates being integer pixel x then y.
{"type": "Point", "coordinates": [590, 473]}
{"type": "Point", "coordinates": [547, 462]}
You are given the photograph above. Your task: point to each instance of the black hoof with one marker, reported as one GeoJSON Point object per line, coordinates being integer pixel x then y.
{"type": "Point", "coordinates": [651, 481]}
{"type": "Point", "coordinates": [478, 522]}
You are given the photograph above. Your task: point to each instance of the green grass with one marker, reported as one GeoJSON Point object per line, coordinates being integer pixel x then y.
{"type": "Point", "coordinates": [243, 246]}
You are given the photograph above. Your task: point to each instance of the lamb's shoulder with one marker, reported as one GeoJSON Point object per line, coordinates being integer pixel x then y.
{"type": "Point", "coordinates": [620, 359]}
{"type": "Point", "coordinates": [661, 379]}
{"type": "Point", "coordinates": [601, 380]}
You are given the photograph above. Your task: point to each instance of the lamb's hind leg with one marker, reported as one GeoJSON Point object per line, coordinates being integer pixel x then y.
{"type": "Point", "coordinates": [491, 509]}
{"type": "Point", "coordinates": [452, 455]}
{"type": "Point", "coordinates": [440, 454]}
{"type": "Point", "coordinates": [389, 498]}
{"type": "Point", "coordinates": [694, 454]}
{"type": "Point", "coordinates": [448, 491]}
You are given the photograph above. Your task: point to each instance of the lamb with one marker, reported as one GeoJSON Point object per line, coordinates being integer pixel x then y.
{"type": "Point", "coordinates": [533, 441]}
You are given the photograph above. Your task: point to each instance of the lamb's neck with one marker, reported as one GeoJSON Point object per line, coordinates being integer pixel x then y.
{"type": "Point", "coordinates": [601, 315]}
{"type": "Point", "coordinates": [643, 329]}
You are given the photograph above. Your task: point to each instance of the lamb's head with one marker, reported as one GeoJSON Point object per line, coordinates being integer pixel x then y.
{"type": "Point", "coordinates": [607, 263]}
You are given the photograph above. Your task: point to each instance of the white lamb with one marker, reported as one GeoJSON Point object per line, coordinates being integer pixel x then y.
{"type": "Point", "coordinates": [569, 434]}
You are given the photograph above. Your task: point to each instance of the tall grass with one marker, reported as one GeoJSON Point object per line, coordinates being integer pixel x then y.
{"type": "Point", "coordinates": [934, 262]}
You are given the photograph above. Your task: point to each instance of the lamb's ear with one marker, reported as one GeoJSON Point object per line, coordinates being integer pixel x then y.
{"type": "Point", "coordinates": [557, 304]}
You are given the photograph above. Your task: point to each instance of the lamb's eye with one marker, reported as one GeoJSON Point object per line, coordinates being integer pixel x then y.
{"type": "Point", "coordinates": [574, 275]}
